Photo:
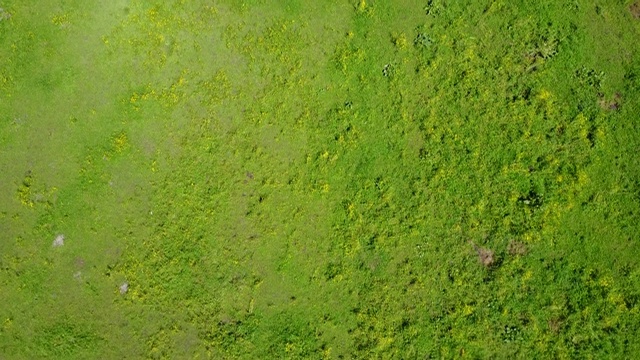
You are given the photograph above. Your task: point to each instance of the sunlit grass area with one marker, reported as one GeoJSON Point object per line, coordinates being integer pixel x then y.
{"type": "Point", "coordinates": [325, 179]}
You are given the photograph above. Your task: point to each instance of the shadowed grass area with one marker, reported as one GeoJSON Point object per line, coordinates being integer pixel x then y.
{"type": "Point", "coordinates": [330, 179]}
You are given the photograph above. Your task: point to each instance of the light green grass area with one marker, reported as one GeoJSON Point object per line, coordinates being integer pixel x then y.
{"type": "Point", "coordinates": [319, 179]}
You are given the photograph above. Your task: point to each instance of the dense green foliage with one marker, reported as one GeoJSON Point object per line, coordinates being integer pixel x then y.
{"type": "Point", "coordinates": [319, 179]}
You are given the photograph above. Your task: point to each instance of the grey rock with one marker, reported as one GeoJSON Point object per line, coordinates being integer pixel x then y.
{"type": "Point", "coordinates": [59, 241]}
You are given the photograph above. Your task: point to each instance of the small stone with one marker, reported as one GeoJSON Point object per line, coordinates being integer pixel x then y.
{"type": "Point", "coordinates": [124, 288]}
{"type": "Point", "coordinates": [59, 241]}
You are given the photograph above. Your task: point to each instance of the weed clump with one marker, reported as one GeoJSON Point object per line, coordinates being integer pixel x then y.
{"type": "Point", "coordinates": [399, 40]}
{"type": "Point", "coordinates": [422, 41]}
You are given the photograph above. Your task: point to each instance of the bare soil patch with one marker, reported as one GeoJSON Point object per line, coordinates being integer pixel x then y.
{"type": "Point", "coordinates": [485, 256]}
{"type": "Point", "coordinates": [516, 248]}
{"type": "Point", "coordinates": [634, 9]}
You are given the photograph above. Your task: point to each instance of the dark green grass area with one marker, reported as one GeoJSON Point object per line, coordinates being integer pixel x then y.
{"type": "Point", "coordinates": [319, 179]}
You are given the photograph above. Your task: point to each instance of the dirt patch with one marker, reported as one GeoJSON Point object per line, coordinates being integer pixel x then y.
{"type": "Point", "coordinates": [555, 325]}
{"type": "Point", "coordinates": [611, 104]}
{"type": "Point", "coordinates": [485, 256]}
{"type": "Point", "coordinates": [516, 248]}
{"type": "Point", "coordinates": [634, 9]}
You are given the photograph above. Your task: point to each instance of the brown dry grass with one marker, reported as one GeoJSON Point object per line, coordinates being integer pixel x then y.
{"type": "Point", "coordinates": [485, 256]}
{"type": "Point", "coordinates": [634, 9]}
{"type": "Point", "coordinates": [516, 248]}
{"type": "Point", "coordinates": [616, 100]}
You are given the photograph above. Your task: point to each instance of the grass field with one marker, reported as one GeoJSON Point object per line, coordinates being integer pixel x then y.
{"type": "Point", "coordinates": [326, 179]}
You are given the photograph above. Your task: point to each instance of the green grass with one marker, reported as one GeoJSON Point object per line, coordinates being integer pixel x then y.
{"type": "Point", "coordinates": [306, 179]}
